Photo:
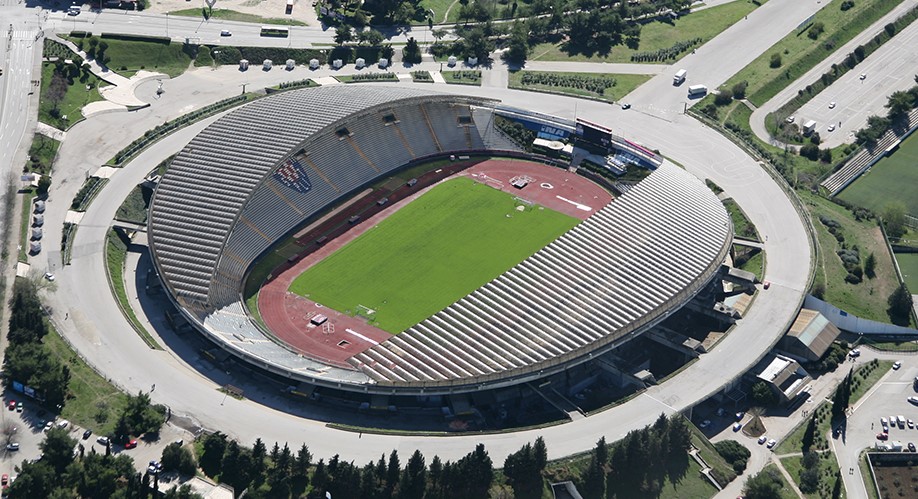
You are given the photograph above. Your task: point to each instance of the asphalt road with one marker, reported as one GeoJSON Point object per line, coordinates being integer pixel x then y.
{"type": "Point", "coordinates": [721, 58]}
{"type": "Point", "coordinates": [97, 330]}
{"type": "Point", "coordinates": [102, 335]}
{"type": "Point", "coordinates": [889, 69]}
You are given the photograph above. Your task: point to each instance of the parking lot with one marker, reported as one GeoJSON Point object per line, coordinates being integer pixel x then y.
{"type": "Point", "coordinates": [29, 425]}
{"type": "Point", "coordinates": [889, 69]}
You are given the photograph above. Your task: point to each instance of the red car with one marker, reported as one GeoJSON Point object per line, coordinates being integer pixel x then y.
{"type": "Point", "coordinates": [5, 481]}
{"type": "Point", "coordinates": [882, 436]}
{"type": "Point", "coordinates": [131, 444]}
{"type": "Point", "coordinates": [12, 405]}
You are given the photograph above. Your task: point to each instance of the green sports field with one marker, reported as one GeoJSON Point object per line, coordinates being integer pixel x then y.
{"type": "Point", "coordinates": [430, 253]}
{"type": "Point", "coordinates": [908, 264]}
{"type": "Point", "coordinates": [892, 179]}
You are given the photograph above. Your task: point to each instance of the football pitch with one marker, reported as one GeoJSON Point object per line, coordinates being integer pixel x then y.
{"type": "Point", "coordinates": [437, 249]}
{"type": "Point", "coordinates": [892, 179]}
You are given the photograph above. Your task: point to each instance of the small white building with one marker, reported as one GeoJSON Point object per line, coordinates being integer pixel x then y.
{"type": "Point", "coordinates": [383, 63]}
{"type": "Point", "coordinates": [360, 63]}
{"type": "Point", "coordinates": [337, 64]}
{"type": "Point", "coordinates": [267, 65]}
{"type": "Point", "coordinates": [243, 64]}
{"type": "Point", "coordinates": [290, 65]}
{"type": "Point", "coordinates": [472, 61]}
{"type": "Point", "coordinates": [451, 61]}
{"type": "Point", "coordinates": [313, 64]}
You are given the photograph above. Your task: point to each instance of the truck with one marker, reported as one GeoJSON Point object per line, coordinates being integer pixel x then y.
{"type": "Point", "coordinates": [900, 421]}
{"type": "Point", "coordinates": [679, 77]}
{"type": "Point", "coordinates": [289, 9]}
{"type": "Point", "coordinates": [697, 91]}
{"type": "Point", "coordinates": [809, 127]}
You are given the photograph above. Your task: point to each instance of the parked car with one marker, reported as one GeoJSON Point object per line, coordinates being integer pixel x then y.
{"type": "Point", "coordinates": [49, 276]}
{"type": "Point", "coordinates": [911, 447]}
{"type": "Point", "coordinates": [910, 423]}
{"type": "Point", "coordinates": [12, 405]}
{"type": "Point", "coordinates": [5, 481]}
{"type": "Point", "coordinates": [49, 425]}
{"type": "Point", "coordinates": [14, 446]}
{"type": "Point", "coordinates": [856, 352]}
{"type": "Point", "coordinates": [831, 127]}
{"type": "Point", "coordinates": [882, 436]}
{"type": "Point", "coordinates": [863, 76]}
{"type": "Point", "coordinates": [737, 426]}
{"type": "Point", "coordinates": [131, 444]}
{"type": "Point", "coordinates": [832, 105]}
{"type": "Point", "coordinates": [897, 365]}
{"type": "Point", "coordinates": [762, 439]}
{"type": "Point", "coordinates": [62, 424]}
{"type": "Point", "coordinates": [102, 440]}
{"type": "Point", "coordinates": [771, 443]}
{"type": "Point", "coordinates": [87, 434]}
{"type": "Point", "coordinates": [789, 119]}
{"type": "Point", "coordinates": [913, 400]}
{"type": "Point", "coordinates": [739, 415]}
{"type": "Point", "coordinates": [626, 106]}
{"type": "Point", "coordinates": [705, 423]}
{"type": "Point", "coordinates": [226, 32]}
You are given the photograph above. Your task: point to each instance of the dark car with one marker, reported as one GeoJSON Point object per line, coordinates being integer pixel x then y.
{"type": "Point", "coordinates": [911, 447]}
{"type": "Point", "coordinates": [87, 434]}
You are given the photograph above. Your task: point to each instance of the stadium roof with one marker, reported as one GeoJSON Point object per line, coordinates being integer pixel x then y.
{"type": "Point", "coordinates": [630, 264]}
{"type": "Point", "coordinates": [199, 198]}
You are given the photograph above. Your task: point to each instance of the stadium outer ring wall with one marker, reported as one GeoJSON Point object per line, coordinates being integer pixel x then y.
{"type": "Point", "coordinates": [558, 364]}
{"type": "Point", "coordinates": [518, 375]}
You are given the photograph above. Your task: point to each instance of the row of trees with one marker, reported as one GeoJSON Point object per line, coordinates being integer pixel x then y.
{"type": "Point", "coordinates": [26, 359]}
{"type": "Point", "coordinates": [899, 104]}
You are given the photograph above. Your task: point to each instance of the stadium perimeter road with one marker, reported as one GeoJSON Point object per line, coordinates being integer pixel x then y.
{"type": "Point", "coordinates": [101, 334]}
{"type": "Point", "coordinates": [889, 69]}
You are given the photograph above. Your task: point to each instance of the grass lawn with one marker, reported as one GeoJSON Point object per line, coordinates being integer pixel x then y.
{"type": "Point", "coordinates": [892, 179]}
{"type": "Point", "coordinates": [894, 346]}
{"type": "Point", "coordinates": [430, 253]}
{"type": "Point", "coordinates": [793, 441]}
{"type": "Point", "coordinates": [28, 196]}
{"type": "Point", "coordinates": [794, 466]}
{"type": "Point", "coordinates": [95, 403]}
{"type": "Point", "coordinates": [692, 484]}
{"type": "Point", "coordinates": [908, 264]}
{"type": "Point", "coordinates": [74, 99]}
{"type": "Point", "coordinates": [756, 264]}
{"type": "Point", "coordinates": [867, 381]}
{"type": "Point", "coordinates": [712, 457]}
{"type": "Point", "coordinates": [440, 7]}
{"type": "Point", "coordinates": [742, 227]}
{"type": "Point", "coordinates": [704, 24]}
{"type": "Point", "coordinates": [232, 15]}
{"type": "Point", "coordinates": [134, 207]}
{"type": "Point", "coordinates": [42, 153]}
{"type": "Point", "coordinates": [624, 84]}
{"type": "Point", "coordinates": [867, 299]}
{"type": "Point", "coordinates": [116, 253]}
{"type": "Point", "coordinates": [130, 56]}
{"type": "Point", "coordinates": [799, 53]}
{"type": "Point", "coordinates": [867, 476]}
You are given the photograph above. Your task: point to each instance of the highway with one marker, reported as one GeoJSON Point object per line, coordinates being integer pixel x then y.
{"type": "Point", "coordinates": [188, 386]}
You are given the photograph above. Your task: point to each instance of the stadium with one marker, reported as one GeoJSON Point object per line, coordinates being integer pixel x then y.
{"type": "Point", "coordinates": [323, 171]}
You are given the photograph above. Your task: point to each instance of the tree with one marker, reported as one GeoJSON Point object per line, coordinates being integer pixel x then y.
{"type": "Point", "coordinates": [139, 416]}
{"type": "Point", "coordinates": [724, 96]}
{"type": "Point", "coordinates": [809, 435]}
{"type": "Point", "coordinates": [57, 449]}
{"type": "Point", "coordinates": [900, 306]}
{"type": "Point", "coordinates": [775, 61]}
{"type": "Point", "coordinates": [732, 451]}
{"type": "Point", "coordinates": [370, 37]}
{"type": "Point", "coordinates": [518, 49]}
{"type": "Point", "coordinates": [763, 485]}
{"type": "Point", "coordinates": [870, 265]}
{"type": "Point", "coordinates": [212, 457]}
{"type": "Point", "coordinates": [178, 458]}
{"type": "Point", "coordinates": [412, 52]}
{"type": "Point", "coordinates": [899, 104]}
{"type": "Point", "coordinates": [414, 478]}
{"type": "Point", "coordinates": [810, 151]}
{"type": "Point", "coordinates": [594, 480]}
{"type": "Point", "coordinates": [524, 473]}
{"type": "Point", "coordinates": [739, 90]}
{"type": "Point", "coordinates": [837, 487]}
{"type": "Point", "coordinates": [763, 395]}
{"type": "Point", "coordinates": [57, 89]}
{"type": "Point", "coordinates": [894, 220]}
{"type": "Point", "coordinates": [44, 183]}
{"type": "Point", "coordinates": [343, 34]}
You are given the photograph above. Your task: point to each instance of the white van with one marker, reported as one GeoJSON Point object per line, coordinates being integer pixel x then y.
{"type": "Point", "coordinates": [679, 77]}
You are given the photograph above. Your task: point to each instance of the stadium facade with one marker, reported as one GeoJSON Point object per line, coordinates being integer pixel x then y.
{"type": "Point", "coordinates": [265, 170]}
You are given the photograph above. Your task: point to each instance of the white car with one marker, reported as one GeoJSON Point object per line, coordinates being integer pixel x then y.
{"type": "Point", "coordinates": [855, 352]}
{"type": "Point", "coordinates": [897, 365]}
{"type": "Point", "coordinates": [737, 426]}
{"type": "Point", "coordinates": [49, 276]}
{"type": "Point", "coordinates": [832, 127]}
{"type": "Point", "coordinates": [789, 119]}
{"type": "Point", "coordinates": [226, 32]}
{"type": "Point", "coordinates": [910, 423]}
{"type": "Point", "coordinates": [762, 439]}
{"type": "Point", "coordinates": [705, 423]}
{"type": "Point", "coordinates": [863, 76]}
{"type": "Point", "coordinates": [832, 105]}
{"type": "Point", "coordinates": [771, 443]}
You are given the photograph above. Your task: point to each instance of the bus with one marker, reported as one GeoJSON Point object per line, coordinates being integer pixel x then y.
{"type": "Point", "coordinates": [275, 31]}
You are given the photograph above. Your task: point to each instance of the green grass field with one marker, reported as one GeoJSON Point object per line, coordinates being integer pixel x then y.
{"type": "Point", "coordinates": [72, 102]}
{"type": "Point", "coordinates": [894, 178]}
{"type": "Point", "coordinates": [624, 84]}
{"type": "Point", "coordinates": [704, 24]}
{"type": "Point", "coordinates": [908, 264]}
{"type": "Point", "coordinates": [232, 15]}
{"type": "Point", "coordinates": [430, 253]}
{"type": "Point", "coordinates": [130, 56]}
